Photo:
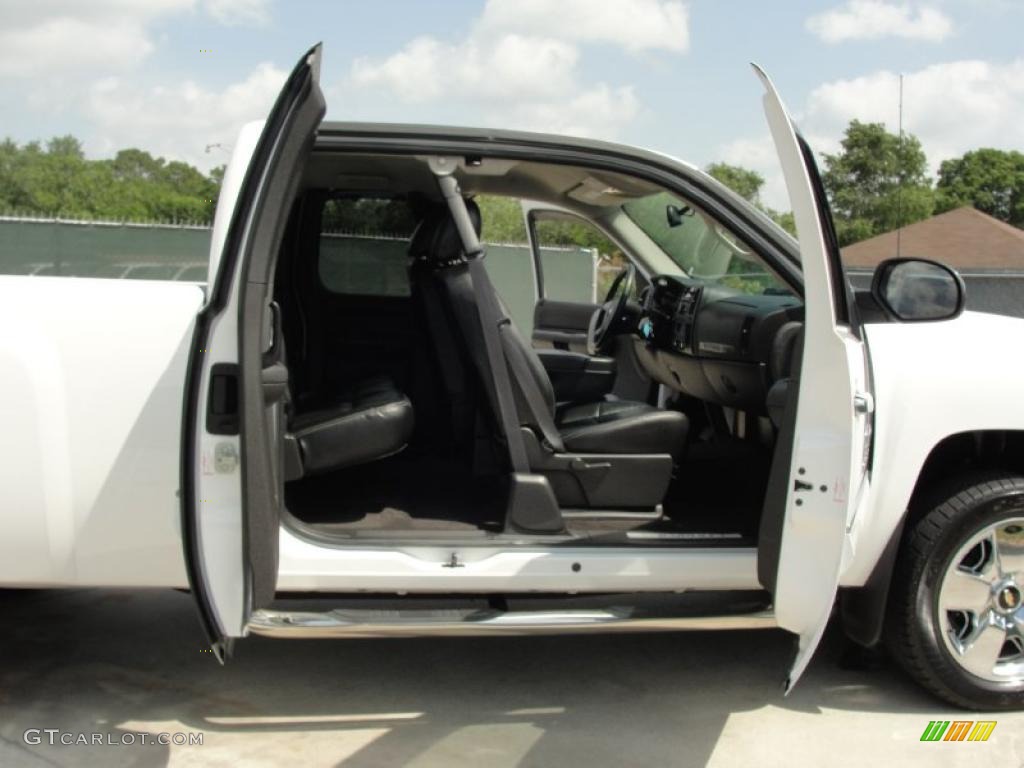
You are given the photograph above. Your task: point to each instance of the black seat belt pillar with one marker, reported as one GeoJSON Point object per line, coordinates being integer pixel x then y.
{"type": "Point", "coordinates": [492, 343]}
{"type": "Point", "coordinates": [532, 503]}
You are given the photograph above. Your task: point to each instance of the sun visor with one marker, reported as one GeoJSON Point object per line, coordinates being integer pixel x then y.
{"type": "Point", "coordinates": [594, 190]}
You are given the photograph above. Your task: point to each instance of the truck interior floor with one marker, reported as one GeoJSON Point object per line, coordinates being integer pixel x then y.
{"type": "Point", "coordinates": [399, 494]}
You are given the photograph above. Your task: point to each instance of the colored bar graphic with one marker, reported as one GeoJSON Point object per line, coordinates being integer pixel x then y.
{"type": "Point", "coordinates": [934, 730]}
{"type": "Point", "coordinates": [982, 730]}
{"type": "Point", "coordinates": [958, 730]}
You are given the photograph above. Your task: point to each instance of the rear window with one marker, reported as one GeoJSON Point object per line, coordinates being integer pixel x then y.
{"type": "Point", "coordinates": [364, 246]}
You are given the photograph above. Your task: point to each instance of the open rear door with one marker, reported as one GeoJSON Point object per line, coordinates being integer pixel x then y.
{"type": "Point", "coordinates": [820, 466]}
{"type": "Point", "coordinates": [231, 469]}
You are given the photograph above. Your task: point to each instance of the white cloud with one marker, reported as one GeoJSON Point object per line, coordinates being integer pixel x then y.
{"type": "Point", "coordinates": [758, 154]}
{"type": "Point", "coordinates": [597, 111]}
{"type": "Point", "coordinates": [234, 13]}
{"type": "Point", "coordinates": [511, 67]}
{"type": "Point", "coordinates": [81, 40]}
{"type": "Point", "coordinates": [519, 64]}
{"type": "Point", "coordinates": [53, 37]}
{"type": "Point", "coordinates": [635, 25]}
{"type": "Point", "coordinates": [875, 19]}
{"type": "Point", "coordinates": [181, 120]}
{"type": "Point", "coordinates": [951, 107]}
{"type": "Point", "coordinates": [56, 45]}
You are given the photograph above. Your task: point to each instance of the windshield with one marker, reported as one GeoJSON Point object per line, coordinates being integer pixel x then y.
{"type": "Point", "coordinates": [701, 247]}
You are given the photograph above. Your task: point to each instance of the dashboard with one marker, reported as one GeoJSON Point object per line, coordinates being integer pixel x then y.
{"type": "Point", "coordinates": [709, 341]}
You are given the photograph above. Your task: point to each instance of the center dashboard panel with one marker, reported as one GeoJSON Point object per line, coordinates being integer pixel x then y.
{"type": "Point", "coordinates": [711, 342]}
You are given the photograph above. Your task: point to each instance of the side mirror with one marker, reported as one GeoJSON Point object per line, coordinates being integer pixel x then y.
{"type": "Point", "coordinates": [916, 290]}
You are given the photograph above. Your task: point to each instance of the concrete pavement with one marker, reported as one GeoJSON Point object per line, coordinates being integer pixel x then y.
{"type": "Point", "coordinates": [118, 661]}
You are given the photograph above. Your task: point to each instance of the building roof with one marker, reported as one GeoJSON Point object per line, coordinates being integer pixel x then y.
{"type": "Point", "coordinates": [964, 238]}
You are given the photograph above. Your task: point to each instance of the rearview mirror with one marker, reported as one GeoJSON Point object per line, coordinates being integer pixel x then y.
{"type": "Point", "coordinates": [674, 214]}
{"type": "Point", "coordinates": [916, 290]}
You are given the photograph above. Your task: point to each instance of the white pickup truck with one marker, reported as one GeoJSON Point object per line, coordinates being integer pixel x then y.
{"type": "Point", "coordinates": [732, 438]}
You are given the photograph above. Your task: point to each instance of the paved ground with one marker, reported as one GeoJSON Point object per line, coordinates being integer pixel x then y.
{"type": "Point", "coordinates": [128, 661]}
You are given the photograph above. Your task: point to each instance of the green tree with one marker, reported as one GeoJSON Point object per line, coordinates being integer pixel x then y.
{"type": "Point", "coordinates": [989, 179]}
{"type": "Point", "coordinates": [136, 164]}
{"type": "Point", "coordinates": [747, 184]}
{"type": "Point", "coordinates": [371, 216]}
{"type": "Point", "coordinates": [877, 182]}
{"type": "Point", "coordinates": [217, 175]}
{"type": "Point", "coordinates": [12, 193]}
{"type": "Point", "coordinates": [502, 219]}
{"type": "Point", "coordinates": [60, 181]}
{"type": "Point", "coordinates": [743, 181]}
{"type": "Point", "coordinates": [65, 146]}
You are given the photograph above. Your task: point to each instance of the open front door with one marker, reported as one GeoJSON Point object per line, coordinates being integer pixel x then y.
{"type": "Point", "coordinates": [820, 467]}
{"type": "Point", "coordinates": [571, 283]}
{"type": "Point", "coordinates": [565, 279]}
{"type": "Point", "coordinates": [231, 469]}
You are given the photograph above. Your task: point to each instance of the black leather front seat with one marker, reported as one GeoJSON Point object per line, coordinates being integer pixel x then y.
{"type": "Point", "coordinates": [621, 426]}
{"type": "Point", "coordinates": [604, 427]}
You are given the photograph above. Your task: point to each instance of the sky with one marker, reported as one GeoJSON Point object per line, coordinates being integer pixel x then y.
{"type": "Point", "coordinates": [180, 77]}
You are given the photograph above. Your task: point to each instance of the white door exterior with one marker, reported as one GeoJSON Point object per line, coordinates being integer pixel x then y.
{"type": "Point", "coordinates": [225, 560]}
{"type": "Point", "coordinates": [828, 471]}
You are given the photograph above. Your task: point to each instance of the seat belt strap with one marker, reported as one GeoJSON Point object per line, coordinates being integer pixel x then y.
{"type": "Point", "coordinates": [527, 386]}
{"type": "Point", "coordinates": [489, 319]}
{"type": "Point", "coordinates": [452, 373]}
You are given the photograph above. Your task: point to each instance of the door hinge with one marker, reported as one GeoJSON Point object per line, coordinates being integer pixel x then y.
{"type": "Point", "coordinates": [864, 402]}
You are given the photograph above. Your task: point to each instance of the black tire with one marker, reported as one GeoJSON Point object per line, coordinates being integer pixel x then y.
{"type": "Point", "coordinates": [912, 630]}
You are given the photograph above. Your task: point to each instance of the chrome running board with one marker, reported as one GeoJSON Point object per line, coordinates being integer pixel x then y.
{"type": "Point", "coordinates": [469, 623]}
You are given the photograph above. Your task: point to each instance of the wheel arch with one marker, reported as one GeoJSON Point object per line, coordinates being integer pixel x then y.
{"type": "Point", "coordinates": [954, 460]}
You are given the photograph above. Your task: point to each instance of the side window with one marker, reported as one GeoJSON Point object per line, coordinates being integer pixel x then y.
{"type": "Point", "coordinates": [364, 245]}
{"type": "Point", "coordinates": [577, 261]}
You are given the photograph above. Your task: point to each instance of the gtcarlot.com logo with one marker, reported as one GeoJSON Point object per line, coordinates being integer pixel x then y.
{"type": "Point", "coordinates": [958, 730]}
{"type": "Point", "coordinates": [57, 737]}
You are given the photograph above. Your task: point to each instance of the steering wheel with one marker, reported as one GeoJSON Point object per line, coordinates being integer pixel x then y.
{"type": "Point", "coordinates": [610, 315]}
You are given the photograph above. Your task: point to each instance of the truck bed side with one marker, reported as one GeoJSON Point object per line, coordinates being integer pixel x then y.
{"type": "Point", "coordinates": [93, 372]}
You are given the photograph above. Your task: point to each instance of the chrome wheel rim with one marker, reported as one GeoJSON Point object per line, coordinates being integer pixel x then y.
{"type": "Point", "coordinates": [981, 603]}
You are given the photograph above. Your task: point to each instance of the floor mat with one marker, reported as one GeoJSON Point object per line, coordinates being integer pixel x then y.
{"type": "Point", "coordinates": [720, 487]}
{"type": "Point", "coordinates": [399, 493]}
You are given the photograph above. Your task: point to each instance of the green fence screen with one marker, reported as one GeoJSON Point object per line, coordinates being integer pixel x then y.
{"type": "Point", "coordinates": [349, 263]}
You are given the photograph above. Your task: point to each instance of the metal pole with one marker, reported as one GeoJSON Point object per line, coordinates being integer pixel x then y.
{"type": "Point", "coordinates": [899, 189]}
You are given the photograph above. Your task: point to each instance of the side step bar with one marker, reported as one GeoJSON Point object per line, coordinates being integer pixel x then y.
{"type": "Point", "coordinates": [470, 623]}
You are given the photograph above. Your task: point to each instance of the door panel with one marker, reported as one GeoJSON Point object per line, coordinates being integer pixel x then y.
{"type": "Point", "coordinates": [819, 457]}
{"type": "Point", "coordinates": [231, 470]}
{"type": "Point", "coordinates": [564, 279]}
{"type": "Point", "coordinates": [561, 324]}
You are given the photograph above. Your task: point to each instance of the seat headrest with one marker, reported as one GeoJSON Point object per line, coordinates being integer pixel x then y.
{"type": "Point", "coordinates": [423, 236]}
{"type": "Point", "coordinates": [445, 245]}
{"type": "Point", "coordinates": [786, 351]}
